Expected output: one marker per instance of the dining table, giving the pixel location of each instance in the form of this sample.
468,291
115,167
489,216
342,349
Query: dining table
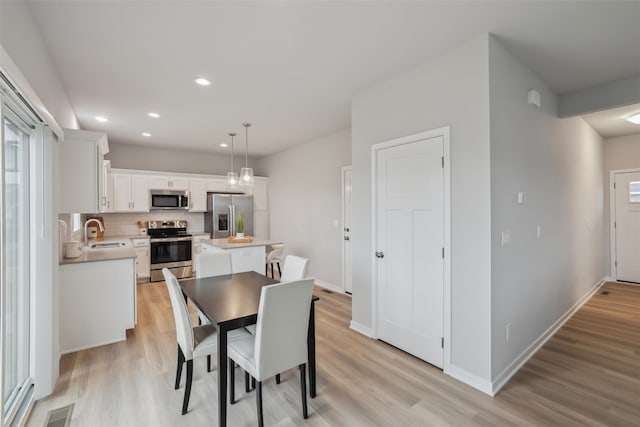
230,302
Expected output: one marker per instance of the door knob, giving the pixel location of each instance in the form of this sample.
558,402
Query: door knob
346,238
379,254
346,229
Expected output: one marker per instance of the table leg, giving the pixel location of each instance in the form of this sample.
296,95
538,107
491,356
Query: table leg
222,377
311,350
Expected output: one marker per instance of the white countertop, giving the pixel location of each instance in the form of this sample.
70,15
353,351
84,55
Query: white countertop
224,243
93,255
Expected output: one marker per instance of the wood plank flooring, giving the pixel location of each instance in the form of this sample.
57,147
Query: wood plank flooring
588,374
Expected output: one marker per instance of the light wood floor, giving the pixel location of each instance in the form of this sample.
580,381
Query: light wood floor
588,374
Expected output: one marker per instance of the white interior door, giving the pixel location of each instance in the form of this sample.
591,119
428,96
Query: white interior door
346,229
627,221
410,242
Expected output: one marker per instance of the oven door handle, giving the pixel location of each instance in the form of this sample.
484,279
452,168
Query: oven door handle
172,239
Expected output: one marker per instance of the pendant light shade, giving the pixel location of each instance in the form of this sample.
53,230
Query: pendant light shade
246,173
232,176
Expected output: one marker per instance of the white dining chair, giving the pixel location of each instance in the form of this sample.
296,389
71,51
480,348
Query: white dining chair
295,268
273,257
193,342
212,263
280,342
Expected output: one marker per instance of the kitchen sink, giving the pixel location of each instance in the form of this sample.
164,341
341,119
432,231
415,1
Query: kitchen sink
107,245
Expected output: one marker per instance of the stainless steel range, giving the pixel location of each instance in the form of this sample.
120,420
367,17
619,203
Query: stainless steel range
170,248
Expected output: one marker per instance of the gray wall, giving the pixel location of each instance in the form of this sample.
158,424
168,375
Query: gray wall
619,153
305,201
125,156
20,38
452,89
558,164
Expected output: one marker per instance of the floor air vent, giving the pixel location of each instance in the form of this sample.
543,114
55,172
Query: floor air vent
604,293
60,417
327,291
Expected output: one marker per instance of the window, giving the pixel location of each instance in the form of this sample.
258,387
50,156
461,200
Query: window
634,192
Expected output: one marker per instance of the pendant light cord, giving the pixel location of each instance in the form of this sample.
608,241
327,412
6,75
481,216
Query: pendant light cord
232,135
246,144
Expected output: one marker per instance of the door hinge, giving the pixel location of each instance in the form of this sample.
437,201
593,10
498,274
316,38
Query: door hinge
442,162
614,185
616,263
442,342
615,224
442,253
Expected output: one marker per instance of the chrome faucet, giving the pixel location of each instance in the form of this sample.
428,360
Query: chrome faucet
86,234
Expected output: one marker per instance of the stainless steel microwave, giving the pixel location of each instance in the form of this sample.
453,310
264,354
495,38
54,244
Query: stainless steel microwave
168,199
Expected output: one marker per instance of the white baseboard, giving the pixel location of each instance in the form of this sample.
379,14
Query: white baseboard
519,361
470,379
329,286
361,329
73,350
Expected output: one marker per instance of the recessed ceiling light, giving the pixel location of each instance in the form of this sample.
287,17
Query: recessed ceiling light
202,81
154,115
147,134
224,145
102,119
635,119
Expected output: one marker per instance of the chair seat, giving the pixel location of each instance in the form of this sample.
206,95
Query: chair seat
205,339
242,351
251,329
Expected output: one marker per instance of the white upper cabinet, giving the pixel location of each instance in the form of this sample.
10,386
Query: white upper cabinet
130,193
168,183
82,175
198,195
215,185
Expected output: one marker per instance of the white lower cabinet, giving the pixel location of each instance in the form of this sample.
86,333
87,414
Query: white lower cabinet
143,263
196,248
97,303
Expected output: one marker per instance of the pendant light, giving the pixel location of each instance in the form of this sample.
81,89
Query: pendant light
232,177
246,173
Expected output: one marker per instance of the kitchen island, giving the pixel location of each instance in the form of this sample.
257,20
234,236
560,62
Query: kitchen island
248,256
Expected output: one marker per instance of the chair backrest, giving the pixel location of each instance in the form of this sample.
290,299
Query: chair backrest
282,326
210,263
275,252
184,329
295,268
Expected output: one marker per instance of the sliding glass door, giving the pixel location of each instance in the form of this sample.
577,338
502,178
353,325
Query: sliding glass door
14,255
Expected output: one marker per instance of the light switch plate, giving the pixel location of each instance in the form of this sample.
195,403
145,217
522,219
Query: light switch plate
522,197
506,238
538,231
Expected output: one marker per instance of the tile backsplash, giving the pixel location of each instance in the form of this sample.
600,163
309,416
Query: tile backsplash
125,224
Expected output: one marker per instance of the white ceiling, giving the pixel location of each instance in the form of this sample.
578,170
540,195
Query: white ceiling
612,123
291,68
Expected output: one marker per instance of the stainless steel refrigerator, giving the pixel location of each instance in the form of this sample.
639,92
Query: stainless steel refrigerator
222,211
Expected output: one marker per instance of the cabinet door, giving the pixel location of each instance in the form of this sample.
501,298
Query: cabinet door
109,192
260,196
142,263
121,192
198,196
139,193
216,185
261,224
178,183
159,183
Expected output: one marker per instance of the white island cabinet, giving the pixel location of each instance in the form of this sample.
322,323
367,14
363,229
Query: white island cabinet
244,256
97,301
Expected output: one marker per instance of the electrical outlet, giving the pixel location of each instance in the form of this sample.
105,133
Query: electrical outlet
508,331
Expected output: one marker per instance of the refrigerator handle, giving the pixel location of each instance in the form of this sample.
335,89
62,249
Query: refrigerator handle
232,220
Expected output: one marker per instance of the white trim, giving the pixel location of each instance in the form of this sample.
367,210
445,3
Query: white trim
361,329
329,286
613,256
342,244
445,133
469,379
524,357
73,350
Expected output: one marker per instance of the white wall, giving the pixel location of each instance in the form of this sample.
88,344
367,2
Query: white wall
125,156
305,200
452,89
558,164
20,38
619,153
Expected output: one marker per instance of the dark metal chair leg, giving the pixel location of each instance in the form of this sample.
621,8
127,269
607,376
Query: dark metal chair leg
266,269
259,403
303,389
179,367
208,363
279,272
187,390
253,382
247,388
277,378
232,382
